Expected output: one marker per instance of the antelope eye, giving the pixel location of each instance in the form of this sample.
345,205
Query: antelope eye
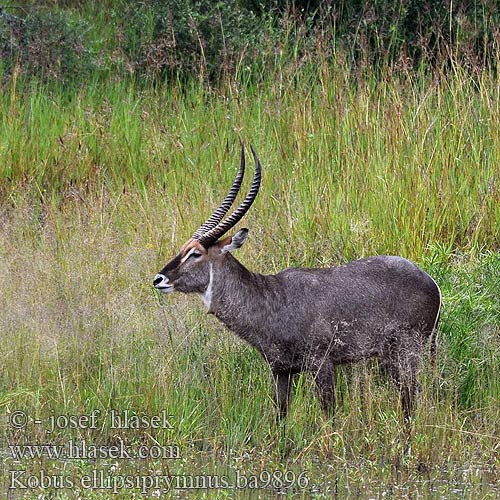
196,254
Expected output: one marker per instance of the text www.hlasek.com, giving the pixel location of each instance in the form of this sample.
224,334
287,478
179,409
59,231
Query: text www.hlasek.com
74,450
113,483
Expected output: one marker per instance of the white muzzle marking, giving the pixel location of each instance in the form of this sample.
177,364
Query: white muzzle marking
162,283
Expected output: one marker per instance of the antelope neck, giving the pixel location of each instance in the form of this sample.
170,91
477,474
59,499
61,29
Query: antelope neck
237,297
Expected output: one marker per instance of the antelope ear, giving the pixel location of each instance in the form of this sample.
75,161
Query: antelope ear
233,242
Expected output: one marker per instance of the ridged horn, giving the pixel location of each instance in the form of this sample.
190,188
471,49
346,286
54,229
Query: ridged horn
215,233
219,213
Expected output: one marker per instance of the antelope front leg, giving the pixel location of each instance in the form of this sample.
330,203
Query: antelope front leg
325,383
282,383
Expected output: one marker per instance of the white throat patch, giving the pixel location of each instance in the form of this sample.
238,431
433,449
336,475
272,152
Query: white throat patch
207,296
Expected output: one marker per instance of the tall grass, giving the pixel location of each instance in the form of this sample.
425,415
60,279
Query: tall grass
372,166
99,188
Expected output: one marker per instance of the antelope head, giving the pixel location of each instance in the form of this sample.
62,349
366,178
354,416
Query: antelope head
191,270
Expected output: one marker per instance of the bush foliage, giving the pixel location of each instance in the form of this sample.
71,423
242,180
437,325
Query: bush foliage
51,44
213,40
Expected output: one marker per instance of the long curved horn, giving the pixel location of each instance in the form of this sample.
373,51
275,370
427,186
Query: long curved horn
215,233
219,213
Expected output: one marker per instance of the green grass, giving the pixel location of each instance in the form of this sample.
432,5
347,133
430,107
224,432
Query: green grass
387,166
100,188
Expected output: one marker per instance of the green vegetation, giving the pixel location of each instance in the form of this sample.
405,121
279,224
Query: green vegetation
167,41
101,183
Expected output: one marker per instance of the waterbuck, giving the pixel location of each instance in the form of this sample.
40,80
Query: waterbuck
304,319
